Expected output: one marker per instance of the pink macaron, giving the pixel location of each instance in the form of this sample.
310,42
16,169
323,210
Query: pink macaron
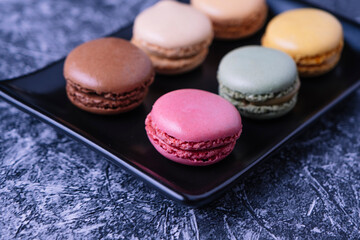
193,127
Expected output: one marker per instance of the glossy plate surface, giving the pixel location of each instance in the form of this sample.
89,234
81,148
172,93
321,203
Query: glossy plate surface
123,139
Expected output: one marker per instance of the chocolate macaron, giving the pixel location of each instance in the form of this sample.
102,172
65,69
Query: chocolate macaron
107,76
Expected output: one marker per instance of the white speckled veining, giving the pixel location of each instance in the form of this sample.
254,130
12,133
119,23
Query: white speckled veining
52,187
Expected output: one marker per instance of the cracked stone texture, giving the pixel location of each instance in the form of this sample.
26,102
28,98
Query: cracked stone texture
52,187
33,34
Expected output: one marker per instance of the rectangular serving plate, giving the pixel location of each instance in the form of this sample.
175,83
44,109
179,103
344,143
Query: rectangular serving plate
122,139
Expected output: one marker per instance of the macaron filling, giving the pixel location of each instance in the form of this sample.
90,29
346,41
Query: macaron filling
186,145
321,62
291,90
176,60
265,110
169,65
172,53
205,151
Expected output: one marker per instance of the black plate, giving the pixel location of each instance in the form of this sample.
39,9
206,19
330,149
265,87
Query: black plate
123,139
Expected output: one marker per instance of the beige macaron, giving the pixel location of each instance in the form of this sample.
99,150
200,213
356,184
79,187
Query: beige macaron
233,19
174,35
312,37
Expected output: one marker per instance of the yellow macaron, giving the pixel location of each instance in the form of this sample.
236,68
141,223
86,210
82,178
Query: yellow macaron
312,37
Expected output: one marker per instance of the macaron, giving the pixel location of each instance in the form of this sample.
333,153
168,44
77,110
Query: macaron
261,82
312,37
193,127
174,35
233,19
107,76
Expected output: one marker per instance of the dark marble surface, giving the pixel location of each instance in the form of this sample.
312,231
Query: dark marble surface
349,9
52,187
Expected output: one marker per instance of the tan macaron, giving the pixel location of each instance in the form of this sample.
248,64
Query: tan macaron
312,37
174,35
233,19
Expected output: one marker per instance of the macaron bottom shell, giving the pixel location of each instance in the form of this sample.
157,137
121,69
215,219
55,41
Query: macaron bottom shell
262,112
171,66
106,103
191,158
266,106
189,153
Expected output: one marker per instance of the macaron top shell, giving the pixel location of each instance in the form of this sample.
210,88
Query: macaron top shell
257,70
171,24
304,31
227,10
195,115
108,65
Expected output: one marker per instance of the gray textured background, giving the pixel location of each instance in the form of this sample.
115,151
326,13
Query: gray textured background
349,9
52,187
35,33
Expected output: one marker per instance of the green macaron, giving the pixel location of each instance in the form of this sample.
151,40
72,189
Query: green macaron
262,83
